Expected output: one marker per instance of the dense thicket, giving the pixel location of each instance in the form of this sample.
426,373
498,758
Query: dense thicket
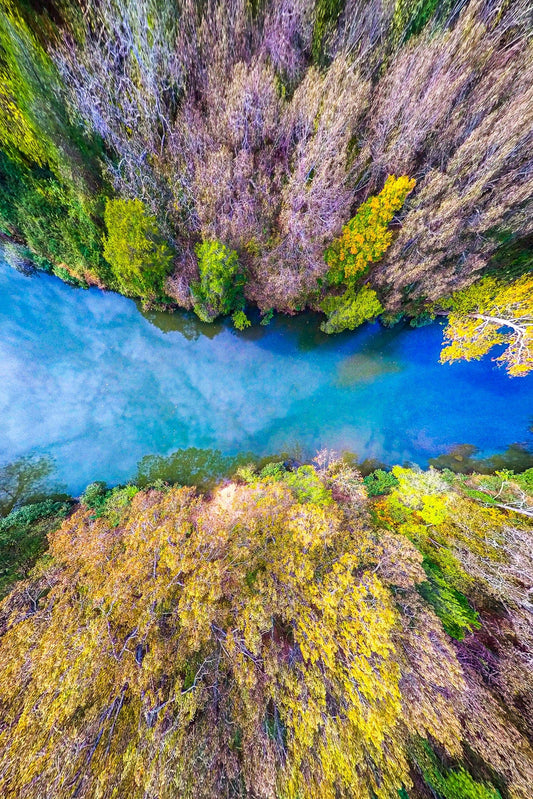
285,636
262,127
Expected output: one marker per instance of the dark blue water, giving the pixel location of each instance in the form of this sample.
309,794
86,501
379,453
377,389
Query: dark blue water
86,379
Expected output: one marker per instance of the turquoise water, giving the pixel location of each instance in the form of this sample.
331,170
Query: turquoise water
90,382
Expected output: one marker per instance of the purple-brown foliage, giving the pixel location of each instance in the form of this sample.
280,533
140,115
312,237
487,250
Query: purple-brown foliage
217,118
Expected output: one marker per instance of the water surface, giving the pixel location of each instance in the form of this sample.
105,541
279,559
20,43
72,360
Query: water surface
88,380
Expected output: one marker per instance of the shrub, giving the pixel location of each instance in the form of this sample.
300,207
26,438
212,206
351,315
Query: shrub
23,538
220,288
108,502
138,257
240,320
379,482
349,310
94,495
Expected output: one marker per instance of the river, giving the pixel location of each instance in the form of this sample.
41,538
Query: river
93,384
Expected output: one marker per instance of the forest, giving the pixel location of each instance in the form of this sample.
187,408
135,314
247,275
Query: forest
362,158
222,625
293,631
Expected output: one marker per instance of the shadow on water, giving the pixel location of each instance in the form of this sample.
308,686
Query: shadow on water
301,332
184,322
462,459
361,368
28,480
202,468
285,332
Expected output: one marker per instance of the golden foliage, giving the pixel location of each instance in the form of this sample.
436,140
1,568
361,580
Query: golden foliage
491,313
268,641
366,237
199,640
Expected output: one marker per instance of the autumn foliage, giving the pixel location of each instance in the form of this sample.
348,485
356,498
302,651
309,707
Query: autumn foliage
366,237
492,313
265,127
276,639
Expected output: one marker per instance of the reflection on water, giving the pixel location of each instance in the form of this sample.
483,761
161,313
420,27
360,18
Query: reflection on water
27,479
193,466
465,459
184,322
92,383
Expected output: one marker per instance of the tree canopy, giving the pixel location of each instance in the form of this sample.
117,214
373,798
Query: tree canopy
283,637
138,257
492,313
290,142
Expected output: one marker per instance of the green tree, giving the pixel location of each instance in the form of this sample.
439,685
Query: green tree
379,482
138,257
220,288
240,320
60,226
23,538
35,127
351,309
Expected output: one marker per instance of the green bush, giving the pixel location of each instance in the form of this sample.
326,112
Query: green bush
58,225
220,288
23,538
240,320
139,258
379,482
108,502
307,486
94,495
276,469
349,310
525,481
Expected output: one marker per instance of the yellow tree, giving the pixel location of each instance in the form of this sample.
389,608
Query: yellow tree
197,646
366,237
364,240
491,313
264,642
